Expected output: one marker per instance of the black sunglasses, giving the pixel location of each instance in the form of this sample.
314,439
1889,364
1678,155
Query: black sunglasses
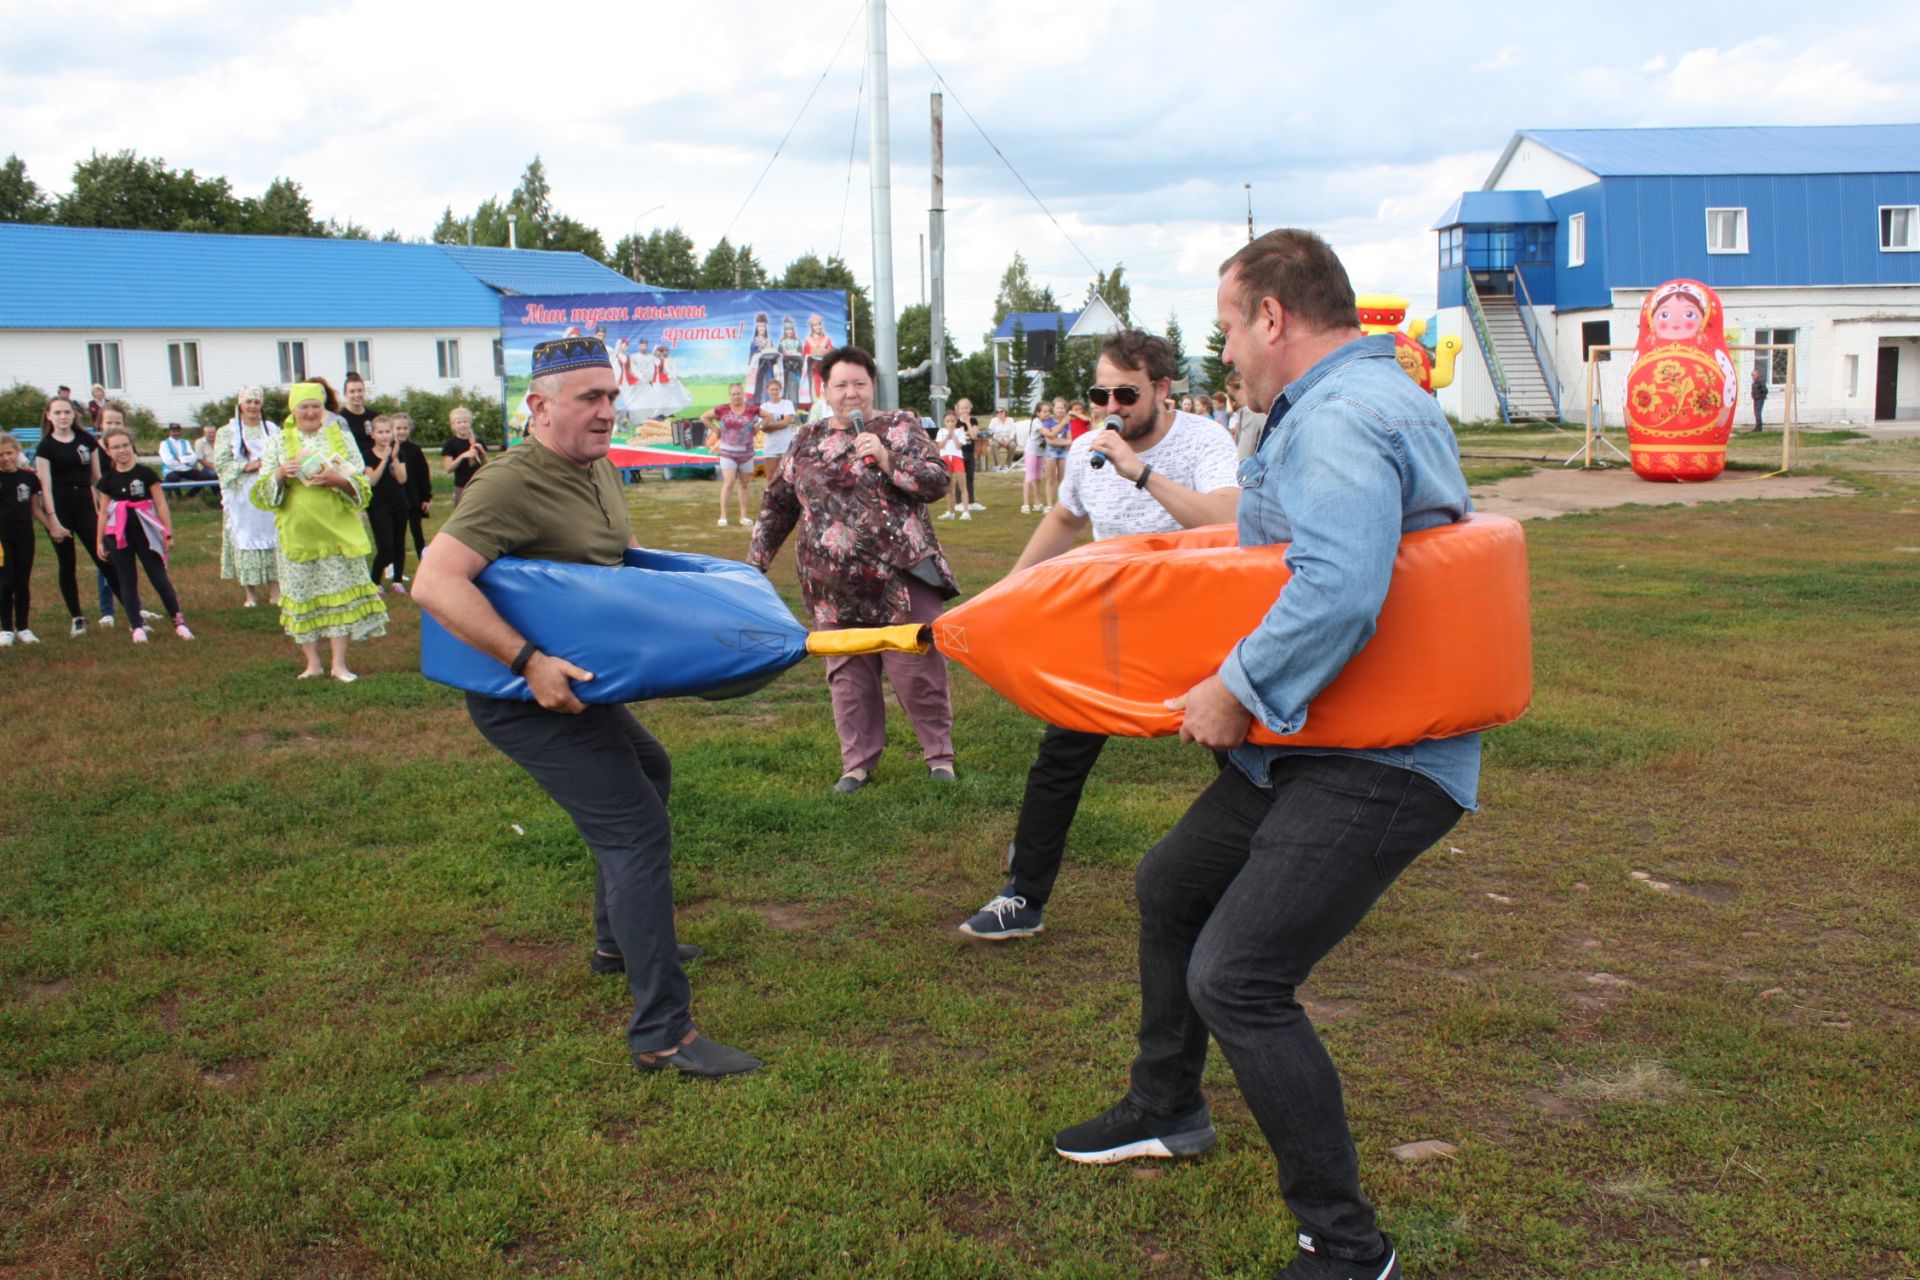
1127,396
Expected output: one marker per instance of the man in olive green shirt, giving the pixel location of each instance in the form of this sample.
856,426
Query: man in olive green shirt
558,498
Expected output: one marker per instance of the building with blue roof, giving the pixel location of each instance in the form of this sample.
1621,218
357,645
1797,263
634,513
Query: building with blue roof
1043,332
1811,236
167,320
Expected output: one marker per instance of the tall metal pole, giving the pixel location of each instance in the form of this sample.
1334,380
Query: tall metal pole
886,351
1249,187
937,233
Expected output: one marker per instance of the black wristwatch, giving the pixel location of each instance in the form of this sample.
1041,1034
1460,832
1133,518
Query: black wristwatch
521,659
1146,469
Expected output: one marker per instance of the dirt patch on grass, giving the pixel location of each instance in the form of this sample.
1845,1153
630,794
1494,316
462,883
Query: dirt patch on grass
526,953
334,1259
1557,491
441,1078
52,989
536,1257
791,917
230,1073
261,740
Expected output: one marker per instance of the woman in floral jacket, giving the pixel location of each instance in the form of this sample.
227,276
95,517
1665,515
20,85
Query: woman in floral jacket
867,557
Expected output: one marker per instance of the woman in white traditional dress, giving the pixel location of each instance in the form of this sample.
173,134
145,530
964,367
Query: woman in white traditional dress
248,537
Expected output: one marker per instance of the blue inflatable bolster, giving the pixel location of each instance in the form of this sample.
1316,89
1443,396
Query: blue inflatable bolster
663,624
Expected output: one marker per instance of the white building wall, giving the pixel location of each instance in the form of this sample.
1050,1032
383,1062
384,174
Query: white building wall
1832,324
230,359
1533,167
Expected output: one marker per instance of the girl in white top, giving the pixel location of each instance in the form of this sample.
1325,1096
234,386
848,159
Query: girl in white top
952,439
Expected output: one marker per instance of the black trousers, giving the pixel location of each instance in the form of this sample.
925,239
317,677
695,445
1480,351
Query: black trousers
414,521
74,509
128,559
612,778
389,541
1238,903
16,579
1055,782
966,456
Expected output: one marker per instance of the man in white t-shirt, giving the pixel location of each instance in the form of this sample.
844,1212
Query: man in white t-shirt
776,418
1164,470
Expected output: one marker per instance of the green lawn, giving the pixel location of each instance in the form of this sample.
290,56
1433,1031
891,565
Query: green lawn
293,979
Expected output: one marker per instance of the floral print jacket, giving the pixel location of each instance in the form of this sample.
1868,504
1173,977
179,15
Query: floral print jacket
862,529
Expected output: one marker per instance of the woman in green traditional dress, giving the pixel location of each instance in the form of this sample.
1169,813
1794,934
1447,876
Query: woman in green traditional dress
312,479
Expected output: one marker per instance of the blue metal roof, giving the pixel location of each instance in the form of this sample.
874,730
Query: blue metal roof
1037,322
1757,150
1495,209
90,278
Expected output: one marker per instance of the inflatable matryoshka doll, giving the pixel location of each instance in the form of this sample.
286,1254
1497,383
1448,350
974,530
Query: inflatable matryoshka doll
1682,390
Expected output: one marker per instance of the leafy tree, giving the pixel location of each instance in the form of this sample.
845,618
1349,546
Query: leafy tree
913,341
1214,365
489,224
726,267
21,199
1113,289
531,204
566,234
971,378
1019,392
451,230
348,230
1018,293
1073,370
283,210
130,191
666,259
1177,341
808,272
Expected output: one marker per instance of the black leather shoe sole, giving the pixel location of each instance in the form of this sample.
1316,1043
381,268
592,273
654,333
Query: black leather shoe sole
618,964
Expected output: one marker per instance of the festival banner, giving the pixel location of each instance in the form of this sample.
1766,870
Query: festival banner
674,353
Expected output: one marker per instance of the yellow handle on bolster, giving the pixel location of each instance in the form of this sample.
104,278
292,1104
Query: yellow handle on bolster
910,637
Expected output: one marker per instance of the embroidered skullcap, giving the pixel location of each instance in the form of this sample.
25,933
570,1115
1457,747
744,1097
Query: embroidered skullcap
305,391
564,354
251,393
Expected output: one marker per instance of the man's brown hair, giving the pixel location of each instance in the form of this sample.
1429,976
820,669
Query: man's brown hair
1139,351
1300,270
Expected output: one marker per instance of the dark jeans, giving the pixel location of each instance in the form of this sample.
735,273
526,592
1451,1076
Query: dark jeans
127,561
1237,904
966,458
16,579
389,542
1054,785
612,778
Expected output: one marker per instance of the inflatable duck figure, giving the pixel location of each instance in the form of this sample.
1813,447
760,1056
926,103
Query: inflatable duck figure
1682,390
1384,313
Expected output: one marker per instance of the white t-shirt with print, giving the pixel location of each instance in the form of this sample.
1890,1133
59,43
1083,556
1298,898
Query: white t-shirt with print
1195,452
777,438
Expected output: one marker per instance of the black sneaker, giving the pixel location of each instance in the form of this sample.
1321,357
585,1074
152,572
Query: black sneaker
1125,1132
1311,1264
1008,915
600,963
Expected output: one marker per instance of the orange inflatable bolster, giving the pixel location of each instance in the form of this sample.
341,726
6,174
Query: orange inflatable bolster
1099,638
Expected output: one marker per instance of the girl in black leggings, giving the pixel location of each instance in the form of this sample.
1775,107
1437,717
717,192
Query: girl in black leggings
68,463
387,508
21,504
133,517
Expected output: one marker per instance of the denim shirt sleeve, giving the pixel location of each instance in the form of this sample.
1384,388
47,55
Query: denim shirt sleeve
1339,482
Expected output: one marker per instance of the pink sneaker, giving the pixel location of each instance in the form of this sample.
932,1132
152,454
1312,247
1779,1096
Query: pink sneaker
398,588
139,635
180,626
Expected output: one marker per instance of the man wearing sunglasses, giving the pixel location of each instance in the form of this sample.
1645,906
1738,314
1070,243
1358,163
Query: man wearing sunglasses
1288,849
1162,470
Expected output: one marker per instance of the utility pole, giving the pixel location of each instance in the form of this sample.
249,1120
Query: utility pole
937,230
923,268
1249,187
886,350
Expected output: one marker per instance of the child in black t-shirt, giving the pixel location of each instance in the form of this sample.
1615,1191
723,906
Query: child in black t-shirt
131,516
21,503
462,455
387,508
419,480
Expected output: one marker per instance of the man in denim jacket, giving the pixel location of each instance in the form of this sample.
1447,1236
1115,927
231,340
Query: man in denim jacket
1285,853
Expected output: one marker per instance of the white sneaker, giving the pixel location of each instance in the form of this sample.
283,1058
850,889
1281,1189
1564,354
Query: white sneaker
27,637
723,522
6,639
965,515
106,620
944,515
1025,510
974,506
77,628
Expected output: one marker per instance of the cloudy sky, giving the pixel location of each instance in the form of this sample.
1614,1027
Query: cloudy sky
1136,123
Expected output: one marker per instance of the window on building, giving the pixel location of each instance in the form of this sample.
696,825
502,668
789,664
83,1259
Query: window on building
183,364
1453,247
360,358
293,362
1726,231
499,358
1577,241
1596,333
103,365
448,352
1899,228
1777,373
1850,374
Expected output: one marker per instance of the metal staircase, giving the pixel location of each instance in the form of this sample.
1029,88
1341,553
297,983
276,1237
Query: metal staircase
1525,388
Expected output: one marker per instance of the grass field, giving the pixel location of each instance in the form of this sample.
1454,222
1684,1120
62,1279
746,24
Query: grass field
293,979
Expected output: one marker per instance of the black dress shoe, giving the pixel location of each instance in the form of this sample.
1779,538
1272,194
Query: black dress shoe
701,1057
618,964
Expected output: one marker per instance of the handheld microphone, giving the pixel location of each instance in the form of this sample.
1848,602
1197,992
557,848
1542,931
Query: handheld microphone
1113,423
859,421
